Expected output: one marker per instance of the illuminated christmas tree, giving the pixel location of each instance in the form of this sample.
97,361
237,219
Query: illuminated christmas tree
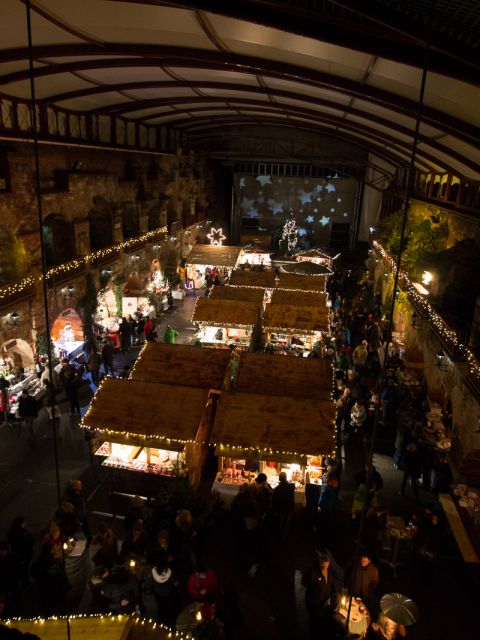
290,233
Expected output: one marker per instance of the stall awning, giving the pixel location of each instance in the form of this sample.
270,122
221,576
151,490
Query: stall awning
288,377
298,282
157,415
214,255
239,294
256,279
289,318
225,313
272,425
299,298
178,364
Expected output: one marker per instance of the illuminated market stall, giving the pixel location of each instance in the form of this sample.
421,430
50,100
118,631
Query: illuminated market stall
255,433
221,259
225,322
17,372
67,334
291,327
316,256
179,364
149,429
254,254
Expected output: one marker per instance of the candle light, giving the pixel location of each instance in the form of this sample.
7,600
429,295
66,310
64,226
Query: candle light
132,563
198,616
65,546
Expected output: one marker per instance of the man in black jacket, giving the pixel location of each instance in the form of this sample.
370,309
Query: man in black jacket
283,504
28,410
320,596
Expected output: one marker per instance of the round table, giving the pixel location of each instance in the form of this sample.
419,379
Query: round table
359,622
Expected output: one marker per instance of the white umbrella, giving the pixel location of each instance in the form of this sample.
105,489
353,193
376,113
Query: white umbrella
399,608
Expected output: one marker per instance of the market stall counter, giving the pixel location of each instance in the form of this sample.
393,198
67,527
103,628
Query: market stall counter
225,322
149,430
287,326
180,364
255,432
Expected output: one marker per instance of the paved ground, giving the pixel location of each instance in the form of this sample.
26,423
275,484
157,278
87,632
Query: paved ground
272,601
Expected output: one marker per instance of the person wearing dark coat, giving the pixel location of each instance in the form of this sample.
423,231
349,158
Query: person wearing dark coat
10,579
135,542
376,480
107,357
120,589
262,494
363,578
125,335
72,386
412,468
21,544
283,504
50,581
319,590
28,410
164,585
74,495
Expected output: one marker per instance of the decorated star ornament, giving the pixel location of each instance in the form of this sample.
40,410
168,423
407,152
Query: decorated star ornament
216,236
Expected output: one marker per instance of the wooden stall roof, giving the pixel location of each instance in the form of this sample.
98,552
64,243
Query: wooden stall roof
299,298
153,411
241,294
301,282
286,376
106,627
257,279
181,364
214,255
293,319
225,313
314,253
289,427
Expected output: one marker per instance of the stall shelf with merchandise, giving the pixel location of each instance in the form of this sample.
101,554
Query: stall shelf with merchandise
225,322
207,256
288,326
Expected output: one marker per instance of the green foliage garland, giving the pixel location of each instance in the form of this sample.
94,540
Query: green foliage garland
88,303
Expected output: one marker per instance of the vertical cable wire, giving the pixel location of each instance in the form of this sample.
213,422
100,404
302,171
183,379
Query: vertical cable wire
51,395
409,190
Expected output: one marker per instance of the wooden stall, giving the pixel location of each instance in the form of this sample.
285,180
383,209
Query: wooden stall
179,364
222,258
225,322
255,279
299,298
317,256
254,254
269,433
148,428
96,627
289,327
288,377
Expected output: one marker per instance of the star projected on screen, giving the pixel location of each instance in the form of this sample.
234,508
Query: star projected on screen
318,188
330,188
246,204
332,210
324,221
277,207
252,213
345,215
304,196
302,231
242,183
315,211
339,199
309,219
263,180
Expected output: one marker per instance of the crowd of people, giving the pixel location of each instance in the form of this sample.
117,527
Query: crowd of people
168,565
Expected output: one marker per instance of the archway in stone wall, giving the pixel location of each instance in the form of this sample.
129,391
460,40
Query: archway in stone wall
18,353
100,218
13,257
130,219
67,332
59,239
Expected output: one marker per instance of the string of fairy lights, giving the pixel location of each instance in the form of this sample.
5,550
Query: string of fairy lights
446,334
101,617
65,268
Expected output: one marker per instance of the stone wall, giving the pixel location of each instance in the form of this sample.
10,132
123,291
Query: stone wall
78,184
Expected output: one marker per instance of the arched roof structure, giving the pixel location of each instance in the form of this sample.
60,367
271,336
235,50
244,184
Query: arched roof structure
347,70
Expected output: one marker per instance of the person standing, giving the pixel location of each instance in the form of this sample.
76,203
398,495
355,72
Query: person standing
125,338
72,384
283,504
107,357
10,579
319,589
28,411
170,335
363,578
74,495
359,356
21,544
412,467
93,366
